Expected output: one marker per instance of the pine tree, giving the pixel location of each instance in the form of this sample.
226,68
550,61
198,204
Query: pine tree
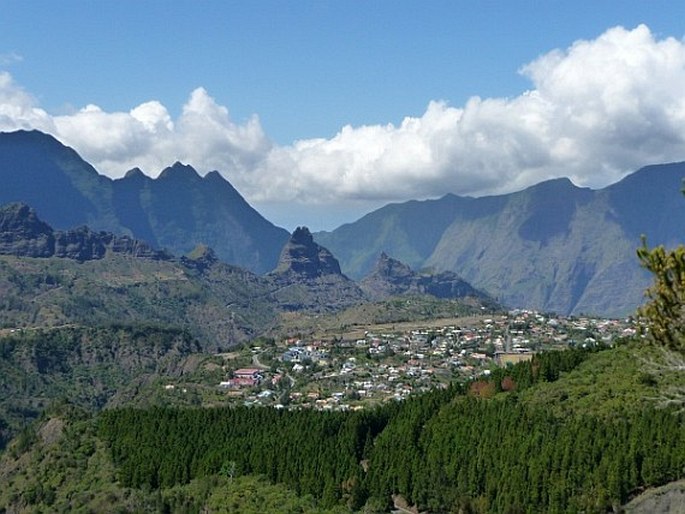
665,312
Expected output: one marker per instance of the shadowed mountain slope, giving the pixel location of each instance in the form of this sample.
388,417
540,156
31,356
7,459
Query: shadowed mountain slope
553,246
177,211
38,170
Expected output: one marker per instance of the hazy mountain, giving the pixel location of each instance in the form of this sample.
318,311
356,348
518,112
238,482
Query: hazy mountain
176,211
180,209
38,170
391,277
553,246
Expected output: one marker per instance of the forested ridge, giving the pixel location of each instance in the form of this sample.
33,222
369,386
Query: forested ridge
478,447
89,366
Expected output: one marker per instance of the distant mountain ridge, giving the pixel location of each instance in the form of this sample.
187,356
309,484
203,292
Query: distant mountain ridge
177,211
553,246
391,277
22,234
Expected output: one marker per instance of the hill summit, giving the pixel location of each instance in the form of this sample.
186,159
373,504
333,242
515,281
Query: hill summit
390,277
308,277
302,256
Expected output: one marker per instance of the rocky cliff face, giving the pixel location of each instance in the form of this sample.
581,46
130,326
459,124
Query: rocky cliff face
553,247
391,277
308,277
23,234
302,257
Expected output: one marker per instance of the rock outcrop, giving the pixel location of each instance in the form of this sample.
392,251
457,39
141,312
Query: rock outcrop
301,256
200,259
308,277
391,277
23,234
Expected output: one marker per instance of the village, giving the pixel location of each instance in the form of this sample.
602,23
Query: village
350,374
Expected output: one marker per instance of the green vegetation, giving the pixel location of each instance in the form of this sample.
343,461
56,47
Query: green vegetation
666,310
221,306
444,451
91,367
569,431
67,468
581,430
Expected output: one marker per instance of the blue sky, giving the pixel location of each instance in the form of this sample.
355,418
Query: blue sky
375,92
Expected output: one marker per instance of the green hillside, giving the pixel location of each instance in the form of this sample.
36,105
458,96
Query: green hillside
87,367
220,305
573,431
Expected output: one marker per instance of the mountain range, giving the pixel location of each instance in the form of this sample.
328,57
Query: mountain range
552,247
177,211
52,278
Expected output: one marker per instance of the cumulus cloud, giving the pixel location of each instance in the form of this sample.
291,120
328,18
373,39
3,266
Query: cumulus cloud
147,137
594,112
18,109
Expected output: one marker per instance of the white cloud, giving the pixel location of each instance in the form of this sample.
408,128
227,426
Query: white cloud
18,109
594,112
147,137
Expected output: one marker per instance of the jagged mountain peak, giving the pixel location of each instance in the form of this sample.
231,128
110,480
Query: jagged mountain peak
19,218
177,210
390,268
24,234
302,256
302,235
308,277
178,170
215,176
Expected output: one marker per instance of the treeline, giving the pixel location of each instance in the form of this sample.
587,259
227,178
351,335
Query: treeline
449,450
501,456
312,452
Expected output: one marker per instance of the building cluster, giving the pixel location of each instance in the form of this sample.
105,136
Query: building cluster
340,375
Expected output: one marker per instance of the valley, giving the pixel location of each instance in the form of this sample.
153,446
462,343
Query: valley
391,362
164,348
